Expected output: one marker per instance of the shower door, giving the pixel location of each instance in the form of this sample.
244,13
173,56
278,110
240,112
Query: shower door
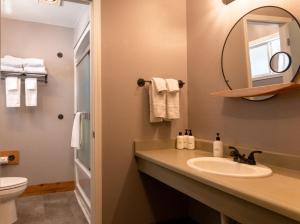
83,105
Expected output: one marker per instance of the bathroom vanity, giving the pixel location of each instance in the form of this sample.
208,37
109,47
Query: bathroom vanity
273,199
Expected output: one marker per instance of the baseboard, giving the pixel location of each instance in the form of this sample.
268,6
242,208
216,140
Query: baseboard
49,188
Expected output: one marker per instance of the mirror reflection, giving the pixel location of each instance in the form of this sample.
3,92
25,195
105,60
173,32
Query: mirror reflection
262,49
280,62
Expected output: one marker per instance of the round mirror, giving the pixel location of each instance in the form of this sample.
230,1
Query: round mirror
280,62
262,48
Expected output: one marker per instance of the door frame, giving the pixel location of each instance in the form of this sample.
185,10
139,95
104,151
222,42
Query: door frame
96,113
96,156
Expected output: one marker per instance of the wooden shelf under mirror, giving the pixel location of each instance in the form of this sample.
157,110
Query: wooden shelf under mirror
258,91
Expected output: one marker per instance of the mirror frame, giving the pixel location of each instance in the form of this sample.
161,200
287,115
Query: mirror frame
228,35
287,67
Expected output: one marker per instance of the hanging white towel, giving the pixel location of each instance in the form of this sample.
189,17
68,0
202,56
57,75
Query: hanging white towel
31,92
160,85
13,91
38,70
172,85
153,119
33,62
76,131
173,104
157,96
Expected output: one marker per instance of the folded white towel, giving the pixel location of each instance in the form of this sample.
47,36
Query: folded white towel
12,62
173,104
157,100
13,91
33,62
172,85
5,68
76,131
160,84
37,70
31,92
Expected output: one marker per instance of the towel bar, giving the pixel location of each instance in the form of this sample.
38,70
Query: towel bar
22,75
141,82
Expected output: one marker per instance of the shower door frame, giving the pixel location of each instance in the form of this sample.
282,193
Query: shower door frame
96,110
81,171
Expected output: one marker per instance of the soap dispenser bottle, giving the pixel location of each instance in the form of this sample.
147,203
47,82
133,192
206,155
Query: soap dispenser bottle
218,147
185,138
180,141
191,141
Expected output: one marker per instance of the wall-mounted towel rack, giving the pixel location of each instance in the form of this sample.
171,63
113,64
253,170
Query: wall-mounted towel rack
22,75
141,82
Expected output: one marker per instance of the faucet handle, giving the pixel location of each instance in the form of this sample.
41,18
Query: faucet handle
234,153
251,158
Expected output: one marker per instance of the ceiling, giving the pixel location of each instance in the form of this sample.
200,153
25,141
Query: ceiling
66,15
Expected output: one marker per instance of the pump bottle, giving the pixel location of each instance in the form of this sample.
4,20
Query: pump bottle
218,147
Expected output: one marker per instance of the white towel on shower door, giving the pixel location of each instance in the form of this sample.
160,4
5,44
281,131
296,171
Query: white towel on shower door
31,92
13,91
76,131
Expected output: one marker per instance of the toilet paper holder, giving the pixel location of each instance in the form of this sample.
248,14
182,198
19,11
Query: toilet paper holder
9,157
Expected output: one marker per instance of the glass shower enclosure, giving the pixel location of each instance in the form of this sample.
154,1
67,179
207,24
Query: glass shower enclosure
83,105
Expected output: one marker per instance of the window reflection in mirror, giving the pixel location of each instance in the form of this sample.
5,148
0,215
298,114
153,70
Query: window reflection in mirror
268,35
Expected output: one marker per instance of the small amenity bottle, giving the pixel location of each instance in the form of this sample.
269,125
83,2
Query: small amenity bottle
191,141
185,138
218,147
180,141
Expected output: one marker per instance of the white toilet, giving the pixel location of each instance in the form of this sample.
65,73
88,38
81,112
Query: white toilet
10,189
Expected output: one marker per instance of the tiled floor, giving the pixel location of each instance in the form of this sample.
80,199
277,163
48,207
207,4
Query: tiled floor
57,208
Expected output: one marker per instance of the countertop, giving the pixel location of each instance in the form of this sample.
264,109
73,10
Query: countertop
279,192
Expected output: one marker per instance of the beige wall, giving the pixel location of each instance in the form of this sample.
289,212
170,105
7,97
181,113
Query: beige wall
141,38
42,139
271,125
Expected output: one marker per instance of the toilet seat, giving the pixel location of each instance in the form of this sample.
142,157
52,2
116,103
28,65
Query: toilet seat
7,183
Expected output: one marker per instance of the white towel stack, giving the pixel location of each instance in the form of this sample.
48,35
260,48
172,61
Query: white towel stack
26,65
13,91
34,65
11,64
14,65
164,100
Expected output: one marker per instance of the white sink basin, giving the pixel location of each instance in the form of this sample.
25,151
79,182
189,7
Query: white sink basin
227,167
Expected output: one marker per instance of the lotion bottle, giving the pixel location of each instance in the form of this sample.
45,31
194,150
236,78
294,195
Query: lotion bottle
185,138
180,141
191,141
218,147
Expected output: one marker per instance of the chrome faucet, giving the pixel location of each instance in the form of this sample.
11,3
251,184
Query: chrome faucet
237,157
